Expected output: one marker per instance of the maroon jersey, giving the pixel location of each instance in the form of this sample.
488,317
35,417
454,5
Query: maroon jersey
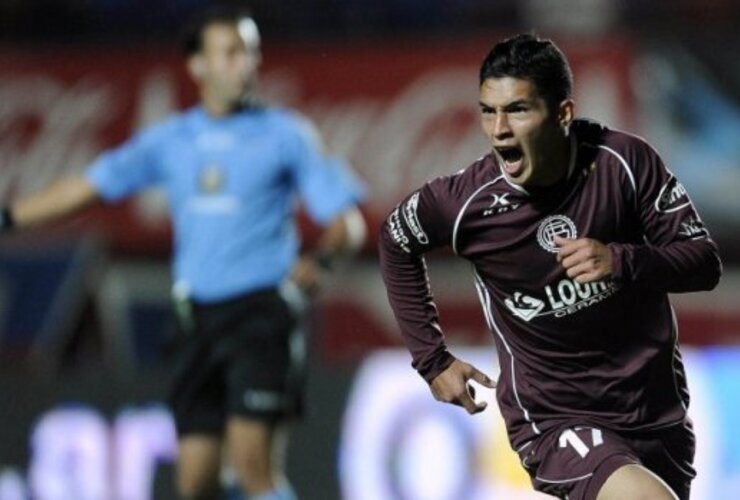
604,352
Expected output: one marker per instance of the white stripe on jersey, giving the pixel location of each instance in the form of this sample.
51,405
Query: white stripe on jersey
675,357
624,164
515,186
465,206
485,299
570,479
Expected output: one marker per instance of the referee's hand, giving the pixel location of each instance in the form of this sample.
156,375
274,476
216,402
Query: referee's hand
451,386
307,274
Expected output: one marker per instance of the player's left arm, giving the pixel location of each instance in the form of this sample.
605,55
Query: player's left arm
331,194
678,254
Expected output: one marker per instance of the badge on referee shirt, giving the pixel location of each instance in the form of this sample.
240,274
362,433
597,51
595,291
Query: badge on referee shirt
212,179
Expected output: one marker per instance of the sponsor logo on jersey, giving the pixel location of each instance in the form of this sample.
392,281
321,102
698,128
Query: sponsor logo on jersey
692,228
396,230
555,225
524,306
500,204
672,197
562,299
569,296
412,219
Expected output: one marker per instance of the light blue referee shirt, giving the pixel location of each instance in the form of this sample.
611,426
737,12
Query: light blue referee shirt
232,184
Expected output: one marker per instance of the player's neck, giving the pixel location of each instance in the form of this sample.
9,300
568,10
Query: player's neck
558,165
218,107
561,159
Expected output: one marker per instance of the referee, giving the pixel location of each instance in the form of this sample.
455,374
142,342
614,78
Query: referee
232,169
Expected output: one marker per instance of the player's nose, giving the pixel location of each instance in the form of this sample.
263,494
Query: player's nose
501,129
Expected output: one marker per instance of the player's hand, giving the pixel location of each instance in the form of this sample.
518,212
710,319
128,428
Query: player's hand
585,259
307,274
451,386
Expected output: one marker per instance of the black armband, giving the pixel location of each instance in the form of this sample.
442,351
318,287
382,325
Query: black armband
6,219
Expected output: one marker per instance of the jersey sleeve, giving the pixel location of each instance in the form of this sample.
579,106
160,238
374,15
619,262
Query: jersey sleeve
678,254
327,185
418,224
128,168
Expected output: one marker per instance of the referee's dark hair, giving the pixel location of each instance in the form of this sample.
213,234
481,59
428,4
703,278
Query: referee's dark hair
528,57
192,33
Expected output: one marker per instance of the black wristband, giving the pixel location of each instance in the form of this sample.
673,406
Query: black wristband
324,260
6,219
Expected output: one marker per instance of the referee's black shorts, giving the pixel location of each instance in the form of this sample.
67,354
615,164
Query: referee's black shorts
243,356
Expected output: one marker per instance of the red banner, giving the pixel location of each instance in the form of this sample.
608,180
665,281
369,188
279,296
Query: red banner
402,113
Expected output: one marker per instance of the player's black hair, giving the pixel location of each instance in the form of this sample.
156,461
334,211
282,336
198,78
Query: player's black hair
529,57
192,33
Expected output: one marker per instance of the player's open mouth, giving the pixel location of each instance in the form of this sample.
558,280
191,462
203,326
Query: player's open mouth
513,160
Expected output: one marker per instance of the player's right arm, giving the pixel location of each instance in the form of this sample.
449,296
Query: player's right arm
421,222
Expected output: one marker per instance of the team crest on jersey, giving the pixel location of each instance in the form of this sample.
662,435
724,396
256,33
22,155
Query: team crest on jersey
672,197
211,179
555,225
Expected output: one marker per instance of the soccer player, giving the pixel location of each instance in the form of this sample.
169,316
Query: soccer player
576,234
232,169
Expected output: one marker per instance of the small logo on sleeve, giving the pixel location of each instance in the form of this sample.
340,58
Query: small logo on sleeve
555,225
672,197
412,219
692,228
396,230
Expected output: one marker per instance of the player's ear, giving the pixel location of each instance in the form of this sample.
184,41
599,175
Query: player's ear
196,67
566,111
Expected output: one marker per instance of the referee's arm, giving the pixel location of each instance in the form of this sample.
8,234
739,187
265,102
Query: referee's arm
344,235
64,197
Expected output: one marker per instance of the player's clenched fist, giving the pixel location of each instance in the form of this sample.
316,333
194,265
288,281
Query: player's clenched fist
585,259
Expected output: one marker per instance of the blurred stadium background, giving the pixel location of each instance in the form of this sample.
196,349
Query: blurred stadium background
85,329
